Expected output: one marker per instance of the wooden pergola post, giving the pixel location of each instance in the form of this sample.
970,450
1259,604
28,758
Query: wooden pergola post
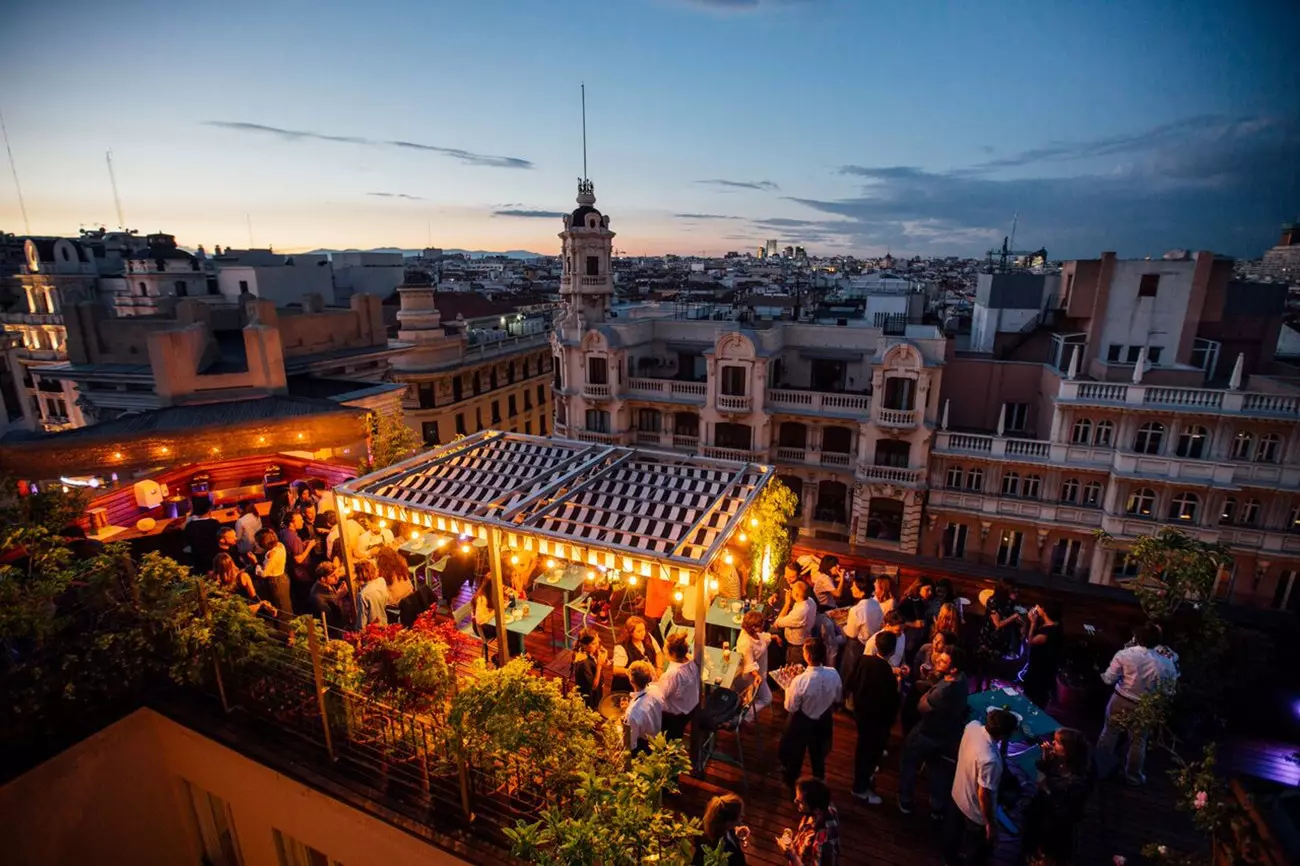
498,593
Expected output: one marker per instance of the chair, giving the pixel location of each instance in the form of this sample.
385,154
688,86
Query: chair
582,606
729,723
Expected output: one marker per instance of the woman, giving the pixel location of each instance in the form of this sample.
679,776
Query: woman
947,619
637,645
722,824
923,676
238,583
816,841
373,600
915,610
943,594
752,646
272,572
1000,634
589,659
281,505
1052,818
392,566
485,618
1045,637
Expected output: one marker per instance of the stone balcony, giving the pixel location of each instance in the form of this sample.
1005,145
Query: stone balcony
595,437
732,403
593,391
1027,509
796,402
739,454
901,418
811,457
1205,401
891,474
665,390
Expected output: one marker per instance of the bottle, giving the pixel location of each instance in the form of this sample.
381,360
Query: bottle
726,651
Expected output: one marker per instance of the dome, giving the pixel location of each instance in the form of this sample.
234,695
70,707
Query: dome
578,219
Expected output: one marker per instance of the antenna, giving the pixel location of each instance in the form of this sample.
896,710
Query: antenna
248,219
1015,219
584,130
18,187
117,202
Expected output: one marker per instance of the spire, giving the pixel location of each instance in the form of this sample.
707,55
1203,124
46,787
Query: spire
586,190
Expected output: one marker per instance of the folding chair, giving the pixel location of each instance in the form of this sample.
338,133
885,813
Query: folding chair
582,606
709,744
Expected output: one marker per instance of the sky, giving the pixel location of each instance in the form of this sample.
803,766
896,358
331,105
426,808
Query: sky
845,126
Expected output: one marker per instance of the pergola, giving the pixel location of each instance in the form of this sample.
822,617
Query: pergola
643,512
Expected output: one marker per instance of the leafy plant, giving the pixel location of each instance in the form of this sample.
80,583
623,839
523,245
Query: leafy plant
1216,812
617,817
1174,569
768,527
390,440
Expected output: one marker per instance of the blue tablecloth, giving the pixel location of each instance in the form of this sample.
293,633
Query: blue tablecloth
1035,727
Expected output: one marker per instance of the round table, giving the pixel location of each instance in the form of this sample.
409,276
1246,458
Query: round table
612,705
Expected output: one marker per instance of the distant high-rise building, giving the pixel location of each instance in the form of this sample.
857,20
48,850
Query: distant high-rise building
800,253
762,252
788,252
771,248
1282,262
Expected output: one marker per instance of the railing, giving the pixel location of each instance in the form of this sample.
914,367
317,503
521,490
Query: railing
689,391
1104,392
718,453
896,417
683,442
1029,448
594,391
1271,404
965,442
594,437
648,437
594,281
792,455
733,403
834,458
895,474
818,402
1190,399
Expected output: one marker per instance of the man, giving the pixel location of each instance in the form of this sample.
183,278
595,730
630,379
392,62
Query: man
644,713
891,624
828,581
247,526
810,700
201,536
875,704
973,825
942,710
324,496
790,575
589,663
297,556
1135,672
228,543
325,598
678,687
798,617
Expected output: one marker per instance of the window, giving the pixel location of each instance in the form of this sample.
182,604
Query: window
478,418
1148,285
214,824
954,540
144,290
1192,442
899,393
424,395
1243,445
243,287
1125,567
181,289
1030,486
597,421
1081,434
1250,512
1105,433
953,480
1149,438
510,373
430,430
796,487
460,423
1114,353
1284,595
562,412
1293,524
1010,483
1205,355
457,389
975,480
593,266
832,502
1070,490
1229,513
738,436
1017,415
541,395
839,440
528,399
478,384
1184,506
1009,548
541,426
528,428
294,853
496,411
1269,445
792,435
1065,557
1134,352
492,379
733,381
889,452
512,406
885,519
649,420
1153,354
1141,502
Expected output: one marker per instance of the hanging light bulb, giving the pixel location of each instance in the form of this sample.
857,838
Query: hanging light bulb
464,548
753,521
514,560
728,558
743,537
414,534
713,584
550,563
440,543
631,580
677,596
383,524
591,575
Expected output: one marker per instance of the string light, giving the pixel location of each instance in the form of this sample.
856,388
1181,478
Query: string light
261,440
117,455
743,537
713,584
383,524
414,534
550,563
631,580
753,521
514,560
440,543
728,558
591,575
464,548
677,596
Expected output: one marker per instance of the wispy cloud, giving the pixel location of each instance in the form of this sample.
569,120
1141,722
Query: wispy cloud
705,216
1223,184
743,5
529,214
396,195
761,185
464,156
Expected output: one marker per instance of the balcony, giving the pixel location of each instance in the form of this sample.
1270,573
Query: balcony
734,403
738,454
891,474
1195,400
1026,509
1173,468
595,437
593,391
818,403
836,458
684,442
895,417
1266,475
812,457
1022,450
666,390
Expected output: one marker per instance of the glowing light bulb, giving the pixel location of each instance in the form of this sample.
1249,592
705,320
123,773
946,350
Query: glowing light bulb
441,543
383,524
713,584
514,560
299,437
728,558
631,580
166,450
677,596
591,575
550,563
743,537
414,535
117,455
464,548
753,521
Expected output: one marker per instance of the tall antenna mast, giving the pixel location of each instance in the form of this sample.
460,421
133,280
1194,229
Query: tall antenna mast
117,202
18,187
248,219
584,130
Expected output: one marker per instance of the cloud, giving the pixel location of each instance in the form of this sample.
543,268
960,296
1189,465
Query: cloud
762,185
397,195
743,5
1222,184
784,223
464,156
704,216
530,214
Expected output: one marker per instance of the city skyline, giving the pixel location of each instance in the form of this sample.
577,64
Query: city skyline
713,126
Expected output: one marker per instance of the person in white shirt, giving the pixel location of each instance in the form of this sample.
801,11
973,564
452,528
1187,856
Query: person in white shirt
247,526
271,570
1135,672
881,603
752,647
644,714
973,825
828,581
678,687
855,626
324,496
810,700
892,623
798,617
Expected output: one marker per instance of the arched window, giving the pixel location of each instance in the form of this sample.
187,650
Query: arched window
1070,490
1030,486
1010,483
1294,525
1082,432
1192,442
1092,494
1243,445
1269,446
144,290
1149,438
1229,513
975,480
1141,502
1250,512
953,481
1105,433
1184,507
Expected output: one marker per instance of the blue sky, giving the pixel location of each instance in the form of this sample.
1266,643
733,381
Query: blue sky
844,125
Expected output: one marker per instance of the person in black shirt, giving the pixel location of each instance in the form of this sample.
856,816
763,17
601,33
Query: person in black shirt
722,824
1045,637
914,608
589,667
326,599
228,543
942,711
1065,782
201,536
875,704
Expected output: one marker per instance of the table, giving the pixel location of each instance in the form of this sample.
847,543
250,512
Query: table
568,580
714,664
1022,747
613,704
537,614
721,615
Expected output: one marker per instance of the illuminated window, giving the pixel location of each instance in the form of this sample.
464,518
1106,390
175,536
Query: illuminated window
1141,502
1184,507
